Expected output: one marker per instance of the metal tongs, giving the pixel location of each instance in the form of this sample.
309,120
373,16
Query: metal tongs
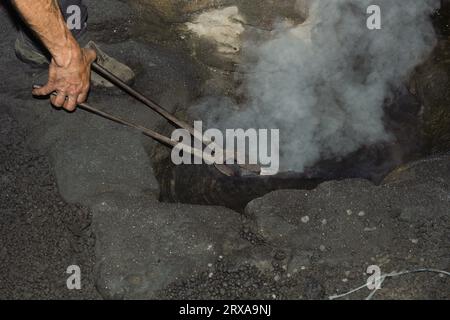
226,169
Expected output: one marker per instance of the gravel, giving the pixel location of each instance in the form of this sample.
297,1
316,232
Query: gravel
41,235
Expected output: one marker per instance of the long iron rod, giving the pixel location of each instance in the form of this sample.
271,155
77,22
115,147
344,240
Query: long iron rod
153,134
139,96
167,115
225,169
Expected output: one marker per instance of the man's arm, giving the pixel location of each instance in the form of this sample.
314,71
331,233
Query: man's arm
70,68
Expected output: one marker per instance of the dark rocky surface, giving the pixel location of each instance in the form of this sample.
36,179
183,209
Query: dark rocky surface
401,225
432,82
40,234
315,244
146,247
76,189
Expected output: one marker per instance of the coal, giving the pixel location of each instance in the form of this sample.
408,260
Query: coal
205,185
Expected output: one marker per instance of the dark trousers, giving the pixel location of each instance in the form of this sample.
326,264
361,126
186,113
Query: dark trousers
76,14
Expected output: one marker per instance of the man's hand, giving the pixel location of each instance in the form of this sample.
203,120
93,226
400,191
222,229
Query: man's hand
69,79
70,68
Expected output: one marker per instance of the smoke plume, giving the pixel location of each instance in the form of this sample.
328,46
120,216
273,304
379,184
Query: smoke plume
324,83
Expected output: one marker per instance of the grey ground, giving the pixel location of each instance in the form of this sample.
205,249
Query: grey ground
76,189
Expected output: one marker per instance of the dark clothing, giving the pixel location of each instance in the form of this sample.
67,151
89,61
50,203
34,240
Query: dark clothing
30,50
75,13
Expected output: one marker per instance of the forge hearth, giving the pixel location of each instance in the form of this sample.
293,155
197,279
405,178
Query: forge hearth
79,190
205,185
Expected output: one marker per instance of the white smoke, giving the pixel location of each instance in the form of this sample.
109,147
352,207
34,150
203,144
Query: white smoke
324,83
